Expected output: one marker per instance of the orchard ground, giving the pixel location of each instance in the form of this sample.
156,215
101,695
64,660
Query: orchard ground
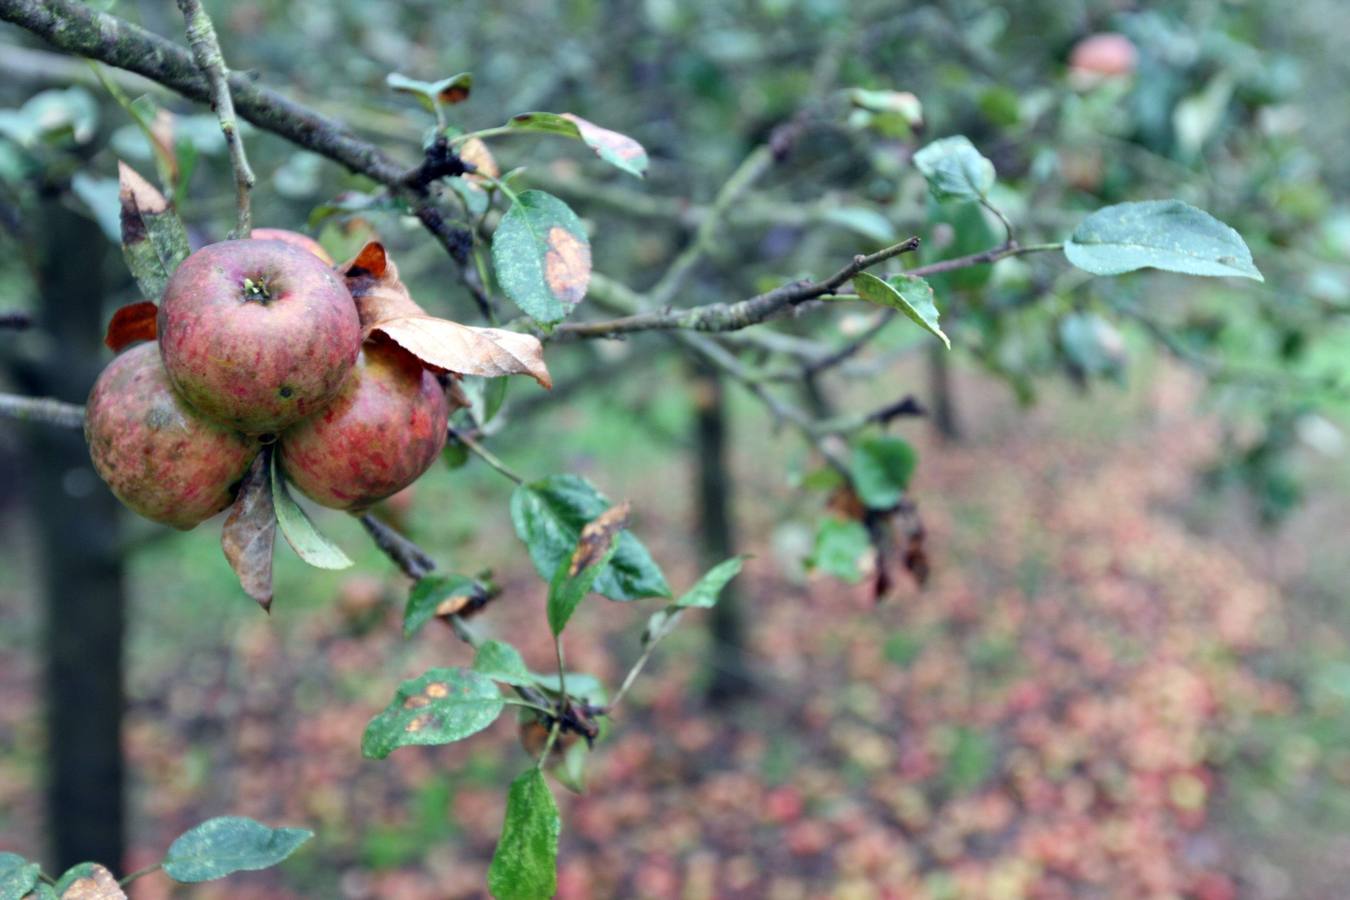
1114,686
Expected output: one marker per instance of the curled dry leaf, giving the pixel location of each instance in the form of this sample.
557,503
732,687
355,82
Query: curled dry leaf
475,151
385,306
133,322
99,884
154,240
251,530
598,536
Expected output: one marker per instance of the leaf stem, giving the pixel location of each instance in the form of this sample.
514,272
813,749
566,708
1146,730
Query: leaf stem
140,873
485,454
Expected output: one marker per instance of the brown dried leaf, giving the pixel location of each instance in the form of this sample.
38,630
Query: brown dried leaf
597,536
99,884
475,151
133,322
141,194
385,305
251,530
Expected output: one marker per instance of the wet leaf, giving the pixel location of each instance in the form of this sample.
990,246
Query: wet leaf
446,92
386,306
154,240
299,531
133,322
881,468
570,584
549,515
542,256
442,706
955,170
17,876
250,531
704,592
440,595
1159,234
93,883
500,661
229,844
524,866
910,294
619,150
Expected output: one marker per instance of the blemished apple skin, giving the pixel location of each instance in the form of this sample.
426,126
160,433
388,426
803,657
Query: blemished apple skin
383,430
257,334
160,457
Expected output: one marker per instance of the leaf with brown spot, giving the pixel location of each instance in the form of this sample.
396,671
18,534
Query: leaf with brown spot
250,532
598,536
542,256
461,702
154,240
447,91
133,322
619,150
97,884
385,306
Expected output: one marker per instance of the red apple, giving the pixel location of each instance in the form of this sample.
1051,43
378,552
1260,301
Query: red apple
381,432
257,334
159,456
295,239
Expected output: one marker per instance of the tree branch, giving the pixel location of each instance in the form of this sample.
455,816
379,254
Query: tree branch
201,36
42,409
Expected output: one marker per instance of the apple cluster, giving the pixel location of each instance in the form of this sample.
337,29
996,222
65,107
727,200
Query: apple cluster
259,341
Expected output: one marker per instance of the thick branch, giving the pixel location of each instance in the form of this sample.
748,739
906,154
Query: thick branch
201,35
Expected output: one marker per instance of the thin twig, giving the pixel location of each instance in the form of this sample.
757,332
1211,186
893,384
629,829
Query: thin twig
139,873
46,410
484,454
201,36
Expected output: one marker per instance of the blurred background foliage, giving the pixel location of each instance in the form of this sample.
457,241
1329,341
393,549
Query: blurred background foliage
1235,107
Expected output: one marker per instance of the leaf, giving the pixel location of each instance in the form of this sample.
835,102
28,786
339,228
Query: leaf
661,623
597,538
705,590
441,706
102,197
908,293
881,469
440,595
447,91
840,546
549,515
154,240
93,882
17,876
500,661
524,866
542,256
476,152
1092,343
386,306
1159,234
568,588
901,103
133,322
299,531
955,170
619,150
250,531
229,844
864,221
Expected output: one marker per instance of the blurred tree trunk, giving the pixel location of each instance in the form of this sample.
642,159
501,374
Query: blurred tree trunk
943,396
728,663
76,521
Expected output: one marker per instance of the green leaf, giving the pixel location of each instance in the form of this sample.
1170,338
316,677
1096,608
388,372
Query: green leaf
840,546
901,103
542,256
102,197
154,240
571,773
579,685
525,864
565,592
864,221
908,293
704,592
430,592
955,170
500,661
881,469
548,516
474,197
43,891
74,874
619,150
661,623
220,847
87,881
17,876
954,230
433,94
299,531
441,706
1092,343
1159,234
